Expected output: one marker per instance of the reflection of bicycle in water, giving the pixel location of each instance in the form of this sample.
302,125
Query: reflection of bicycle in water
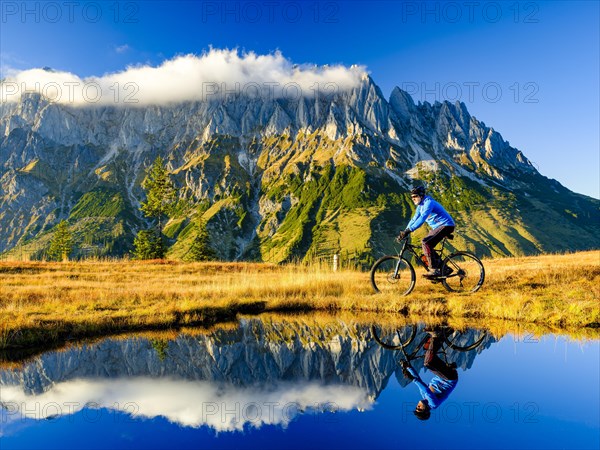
434,342
401,339
459,272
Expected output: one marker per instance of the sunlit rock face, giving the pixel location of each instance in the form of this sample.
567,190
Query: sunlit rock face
308,157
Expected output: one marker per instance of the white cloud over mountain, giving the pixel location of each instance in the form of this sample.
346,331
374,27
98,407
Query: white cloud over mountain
213,74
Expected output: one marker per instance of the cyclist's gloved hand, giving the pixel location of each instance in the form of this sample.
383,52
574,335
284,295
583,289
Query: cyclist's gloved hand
403,234
407,371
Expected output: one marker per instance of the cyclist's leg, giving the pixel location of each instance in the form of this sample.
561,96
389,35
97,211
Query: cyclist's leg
435,364
430,241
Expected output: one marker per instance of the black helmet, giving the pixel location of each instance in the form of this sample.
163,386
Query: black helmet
418,190
422,415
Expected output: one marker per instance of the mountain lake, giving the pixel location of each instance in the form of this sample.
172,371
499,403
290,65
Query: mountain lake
277,382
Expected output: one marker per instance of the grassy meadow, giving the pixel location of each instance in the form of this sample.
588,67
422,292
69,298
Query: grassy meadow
42,303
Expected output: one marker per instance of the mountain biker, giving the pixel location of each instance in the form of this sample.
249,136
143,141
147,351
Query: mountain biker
440,386
438,219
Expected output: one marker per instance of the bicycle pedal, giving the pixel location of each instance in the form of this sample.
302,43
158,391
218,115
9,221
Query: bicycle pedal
433,278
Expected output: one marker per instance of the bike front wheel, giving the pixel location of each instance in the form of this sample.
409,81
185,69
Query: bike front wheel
392,274
463,272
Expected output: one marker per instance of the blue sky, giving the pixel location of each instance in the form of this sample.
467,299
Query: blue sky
529,69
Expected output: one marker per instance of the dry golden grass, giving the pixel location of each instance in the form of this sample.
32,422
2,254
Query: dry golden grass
45,302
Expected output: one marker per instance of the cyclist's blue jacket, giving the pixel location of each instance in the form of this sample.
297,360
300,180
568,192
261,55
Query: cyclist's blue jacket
441,387
431,212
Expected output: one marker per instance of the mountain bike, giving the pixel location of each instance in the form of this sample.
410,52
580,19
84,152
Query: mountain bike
402,338
461,271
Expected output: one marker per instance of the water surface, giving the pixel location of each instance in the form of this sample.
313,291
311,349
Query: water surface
288,384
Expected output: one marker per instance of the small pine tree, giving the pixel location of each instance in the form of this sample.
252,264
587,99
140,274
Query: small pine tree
148,245
161,196
161,346
200,250
61,244
161,199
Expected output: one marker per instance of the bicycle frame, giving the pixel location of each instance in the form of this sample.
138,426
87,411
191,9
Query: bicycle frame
418,352
407,246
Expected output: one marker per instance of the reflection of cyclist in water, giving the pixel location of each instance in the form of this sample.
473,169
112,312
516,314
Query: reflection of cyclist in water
441,386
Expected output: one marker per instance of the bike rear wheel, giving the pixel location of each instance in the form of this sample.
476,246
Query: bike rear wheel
394,338
385,278
463,271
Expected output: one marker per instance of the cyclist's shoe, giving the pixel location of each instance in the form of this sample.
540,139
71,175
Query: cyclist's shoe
427,343
432,274
430,340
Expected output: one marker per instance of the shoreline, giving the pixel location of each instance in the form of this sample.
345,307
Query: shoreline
316,324
56,302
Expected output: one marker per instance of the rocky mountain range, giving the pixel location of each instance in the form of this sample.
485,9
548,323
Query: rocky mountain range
277,179
251,353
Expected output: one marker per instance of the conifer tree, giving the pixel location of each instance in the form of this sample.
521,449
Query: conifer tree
61,243
147,245
161,199
200,250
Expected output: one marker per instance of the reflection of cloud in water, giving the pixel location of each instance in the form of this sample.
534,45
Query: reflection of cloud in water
223,407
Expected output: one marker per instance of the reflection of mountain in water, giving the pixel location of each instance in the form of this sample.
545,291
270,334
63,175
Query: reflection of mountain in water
256,353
